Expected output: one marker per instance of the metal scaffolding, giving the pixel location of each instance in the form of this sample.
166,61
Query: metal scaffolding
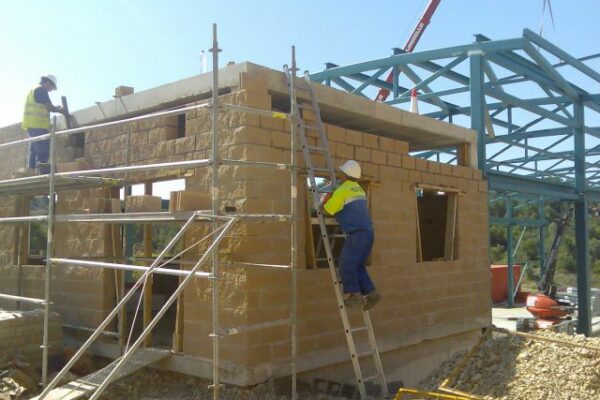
54,182
532,137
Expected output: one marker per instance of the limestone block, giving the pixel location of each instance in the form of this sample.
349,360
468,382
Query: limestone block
121,91
77,165
190,201
408,162
335,133
143,203
378,157
354,138
362,154
371,141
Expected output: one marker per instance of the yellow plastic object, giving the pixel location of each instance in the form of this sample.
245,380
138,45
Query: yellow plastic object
404,392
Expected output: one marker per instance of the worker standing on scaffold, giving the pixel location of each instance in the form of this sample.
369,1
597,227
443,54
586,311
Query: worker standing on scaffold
36,121
348,204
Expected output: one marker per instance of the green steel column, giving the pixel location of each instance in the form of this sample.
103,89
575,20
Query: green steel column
477,113
584,322
509,255
542,235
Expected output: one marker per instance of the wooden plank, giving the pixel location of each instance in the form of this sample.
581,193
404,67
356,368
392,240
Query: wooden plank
148,287
178,334
450,226
419,248
462,155
81,387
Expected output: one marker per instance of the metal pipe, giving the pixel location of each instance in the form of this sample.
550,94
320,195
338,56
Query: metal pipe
115,310
88,128
293,225
215,208
30,218
133,168
126,267
49,244
211,249
255,327
139,217
22,298
257,111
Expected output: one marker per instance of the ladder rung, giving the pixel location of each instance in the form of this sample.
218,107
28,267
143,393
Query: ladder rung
359,329
314,148
371,378
337,235
312,127
365,354
318,169
305,106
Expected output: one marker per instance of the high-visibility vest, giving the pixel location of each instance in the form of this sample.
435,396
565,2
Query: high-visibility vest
35,115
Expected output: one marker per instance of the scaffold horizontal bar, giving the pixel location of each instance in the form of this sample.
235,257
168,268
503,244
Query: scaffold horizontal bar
257,111
134,168
88,128
23,299
254,327
167,216
255,163
261,217
158,216
259,265
29,218
125,267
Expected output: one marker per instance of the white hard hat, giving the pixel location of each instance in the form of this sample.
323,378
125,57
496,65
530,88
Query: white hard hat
52,79
351,168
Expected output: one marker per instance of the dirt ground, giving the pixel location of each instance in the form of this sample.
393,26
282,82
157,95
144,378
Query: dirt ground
151,384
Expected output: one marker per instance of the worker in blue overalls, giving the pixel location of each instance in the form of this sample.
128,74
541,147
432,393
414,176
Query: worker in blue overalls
348,204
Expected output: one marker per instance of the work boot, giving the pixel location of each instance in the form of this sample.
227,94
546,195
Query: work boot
371,299
353,299
43,168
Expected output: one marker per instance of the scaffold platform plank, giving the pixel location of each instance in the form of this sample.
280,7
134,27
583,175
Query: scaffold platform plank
83,386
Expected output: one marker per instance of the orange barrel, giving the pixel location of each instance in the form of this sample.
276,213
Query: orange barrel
499,277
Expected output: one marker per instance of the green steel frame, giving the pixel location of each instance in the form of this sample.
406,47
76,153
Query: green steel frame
525,98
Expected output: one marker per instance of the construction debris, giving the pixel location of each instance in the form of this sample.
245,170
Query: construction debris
151,384
506,366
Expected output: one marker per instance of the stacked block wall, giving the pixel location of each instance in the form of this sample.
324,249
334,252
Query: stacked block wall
429,300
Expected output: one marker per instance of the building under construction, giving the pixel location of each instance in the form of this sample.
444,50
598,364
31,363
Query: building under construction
245,288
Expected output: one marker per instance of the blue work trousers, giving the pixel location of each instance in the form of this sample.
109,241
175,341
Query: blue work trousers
38,151
353,260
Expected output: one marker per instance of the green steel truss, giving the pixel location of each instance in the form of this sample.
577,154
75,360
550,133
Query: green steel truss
535,107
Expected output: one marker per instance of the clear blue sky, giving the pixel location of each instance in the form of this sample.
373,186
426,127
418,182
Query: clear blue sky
94,46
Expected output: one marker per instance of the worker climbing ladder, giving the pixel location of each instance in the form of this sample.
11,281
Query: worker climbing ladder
322,148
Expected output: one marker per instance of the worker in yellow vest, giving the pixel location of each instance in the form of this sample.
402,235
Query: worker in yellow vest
36,121
348,204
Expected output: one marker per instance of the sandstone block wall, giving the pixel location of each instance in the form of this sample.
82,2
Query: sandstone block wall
21,334
422,300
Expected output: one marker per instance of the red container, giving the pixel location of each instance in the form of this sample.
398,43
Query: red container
499,276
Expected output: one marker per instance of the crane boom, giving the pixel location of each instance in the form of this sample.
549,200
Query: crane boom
412,42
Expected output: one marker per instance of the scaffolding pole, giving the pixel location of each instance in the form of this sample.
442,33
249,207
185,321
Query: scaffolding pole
214,280
293,226
49,245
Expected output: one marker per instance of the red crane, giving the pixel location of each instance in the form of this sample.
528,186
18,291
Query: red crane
412,42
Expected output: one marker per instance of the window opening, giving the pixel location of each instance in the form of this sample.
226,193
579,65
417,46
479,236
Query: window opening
436,225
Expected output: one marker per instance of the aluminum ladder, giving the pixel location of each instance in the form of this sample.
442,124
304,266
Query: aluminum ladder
322,147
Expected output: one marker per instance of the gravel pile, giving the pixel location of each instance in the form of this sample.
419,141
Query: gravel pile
151,384
509,367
